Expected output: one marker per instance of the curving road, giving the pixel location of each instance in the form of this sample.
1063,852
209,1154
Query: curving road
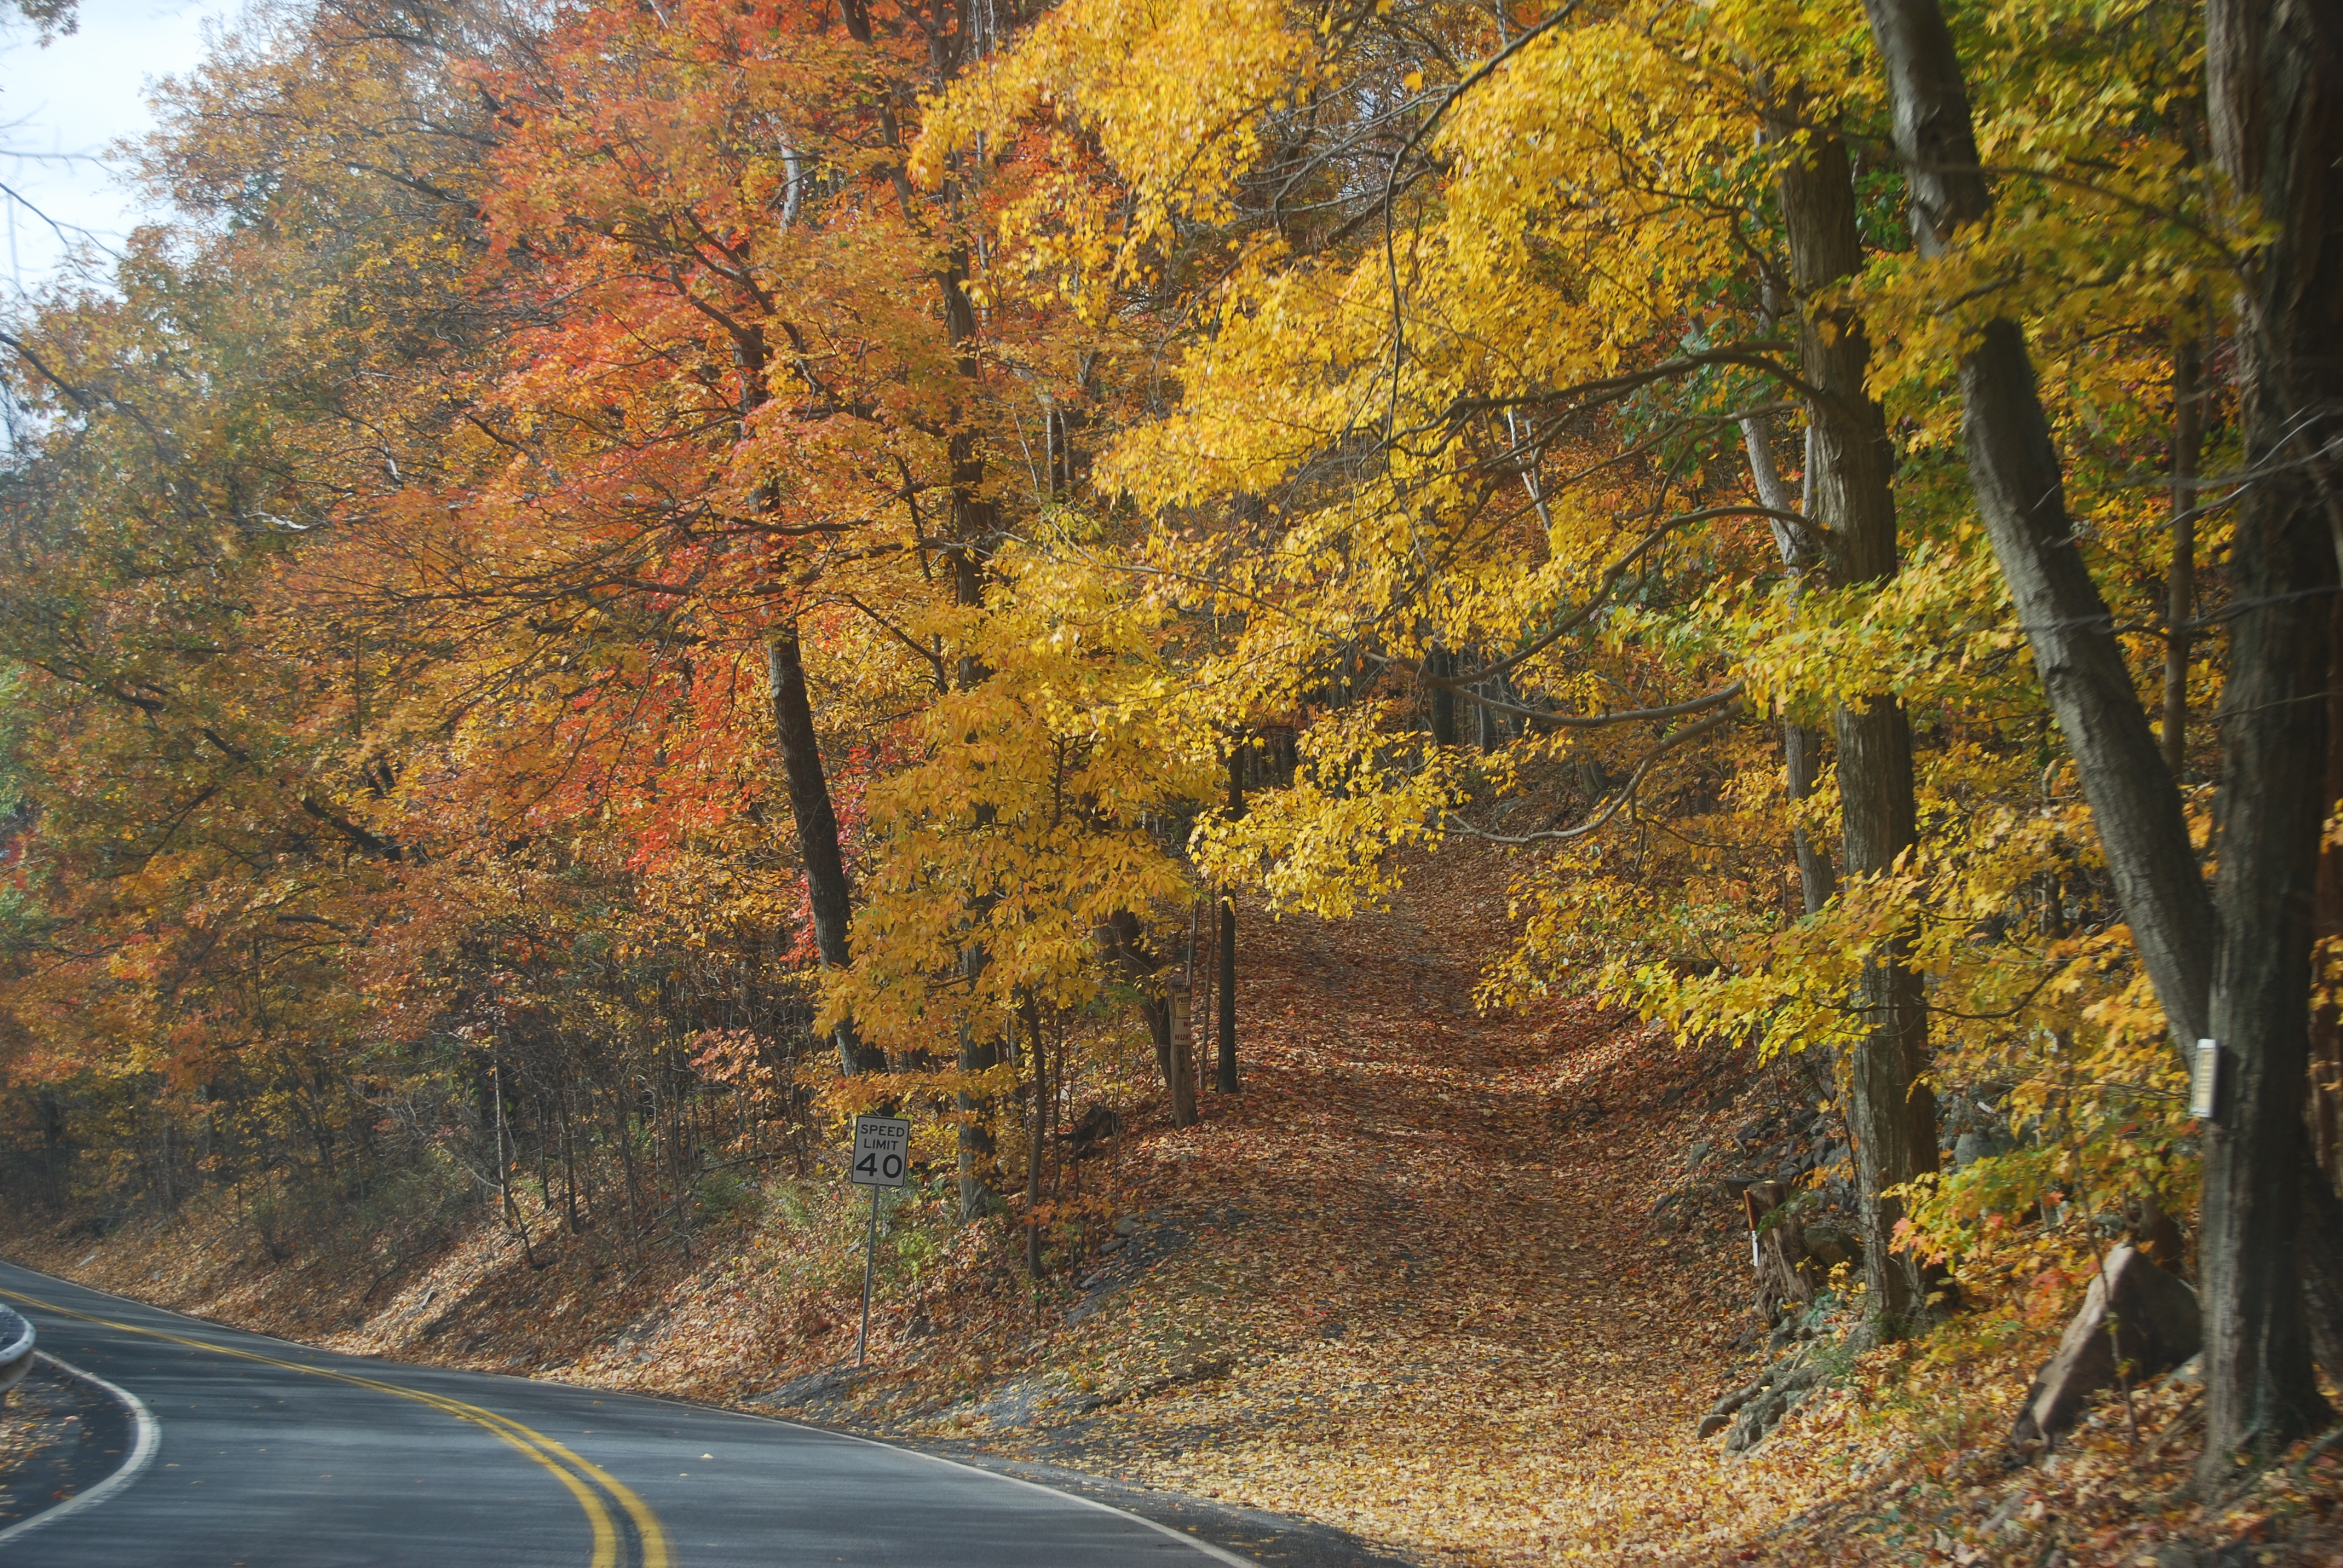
265,1454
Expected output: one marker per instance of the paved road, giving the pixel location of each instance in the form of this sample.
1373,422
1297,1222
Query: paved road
275,1455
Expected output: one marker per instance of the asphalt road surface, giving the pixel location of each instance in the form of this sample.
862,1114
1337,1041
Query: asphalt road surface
265,1454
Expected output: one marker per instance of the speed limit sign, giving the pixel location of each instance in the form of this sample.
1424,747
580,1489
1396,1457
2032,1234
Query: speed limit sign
882,1148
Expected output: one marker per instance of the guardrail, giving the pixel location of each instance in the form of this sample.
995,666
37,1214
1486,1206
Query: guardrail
16,1348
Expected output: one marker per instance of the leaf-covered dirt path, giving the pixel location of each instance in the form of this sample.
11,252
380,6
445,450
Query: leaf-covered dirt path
1410,1281
1415,1283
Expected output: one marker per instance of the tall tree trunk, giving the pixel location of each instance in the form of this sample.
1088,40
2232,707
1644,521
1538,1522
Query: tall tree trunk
2327,926
1439,662
1035,1135
2180,576
2274,100
1225,1078
977,1052
817,848
975,518
1802,749
1891,1112
2238,971
1180,1070
977,1144
1801,745
2260,1391
2021,494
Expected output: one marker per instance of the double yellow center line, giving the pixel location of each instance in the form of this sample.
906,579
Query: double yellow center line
581,1476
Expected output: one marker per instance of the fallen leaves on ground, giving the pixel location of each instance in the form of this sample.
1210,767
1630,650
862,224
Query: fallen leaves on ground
1416,1281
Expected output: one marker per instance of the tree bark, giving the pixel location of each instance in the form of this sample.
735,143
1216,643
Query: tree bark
1891,1112
818,847
1035,1136
2237,970
1225,1076
2326,1088
2021,493
2322,1268
977,1146
1180,1070
2272,803
1802,749
1440,662
1801,745
2180,576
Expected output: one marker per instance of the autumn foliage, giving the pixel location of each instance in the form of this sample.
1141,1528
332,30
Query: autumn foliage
622,581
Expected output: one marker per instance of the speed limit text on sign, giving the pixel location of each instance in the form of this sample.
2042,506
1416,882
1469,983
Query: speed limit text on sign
882,1152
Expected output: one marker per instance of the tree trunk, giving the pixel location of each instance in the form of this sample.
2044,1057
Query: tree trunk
1801,745
1438,661
2327,926
1225,1078
977,1144
1180,1069
2180,576
1802,750
2258,1388
2021,494
825,867
1035,1136
2322,1268
1891,1112
2238,972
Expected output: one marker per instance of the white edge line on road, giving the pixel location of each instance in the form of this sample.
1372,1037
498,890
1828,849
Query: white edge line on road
150,1432
142,1453
1217,1553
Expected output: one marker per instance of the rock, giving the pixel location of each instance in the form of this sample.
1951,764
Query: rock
1831,1245
1721,1414
1128,1226
1798,1376
2157,1326
2155,1234
1757,1419
813,1387
1779,1390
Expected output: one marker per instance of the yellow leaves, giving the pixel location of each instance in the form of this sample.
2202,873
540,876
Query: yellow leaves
1323,844
1171,89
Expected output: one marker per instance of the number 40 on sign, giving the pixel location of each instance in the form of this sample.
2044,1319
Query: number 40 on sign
883,1150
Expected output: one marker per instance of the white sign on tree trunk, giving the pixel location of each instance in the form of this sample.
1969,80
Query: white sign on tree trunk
882,1152
2204,1080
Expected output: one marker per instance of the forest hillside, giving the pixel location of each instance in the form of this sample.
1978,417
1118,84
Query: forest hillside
1460,1287
1576,769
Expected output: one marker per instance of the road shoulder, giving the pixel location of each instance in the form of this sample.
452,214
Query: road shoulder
64,1437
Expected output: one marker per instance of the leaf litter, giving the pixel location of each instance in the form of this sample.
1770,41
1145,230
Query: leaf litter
1456,1284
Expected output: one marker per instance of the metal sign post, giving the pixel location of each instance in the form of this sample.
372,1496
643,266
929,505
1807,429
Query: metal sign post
882,1148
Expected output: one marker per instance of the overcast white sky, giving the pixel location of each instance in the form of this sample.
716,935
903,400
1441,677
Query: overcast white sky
76,96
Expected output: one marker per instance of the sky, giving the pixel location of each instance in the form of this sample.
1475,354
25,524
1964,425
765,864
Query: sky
70,101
